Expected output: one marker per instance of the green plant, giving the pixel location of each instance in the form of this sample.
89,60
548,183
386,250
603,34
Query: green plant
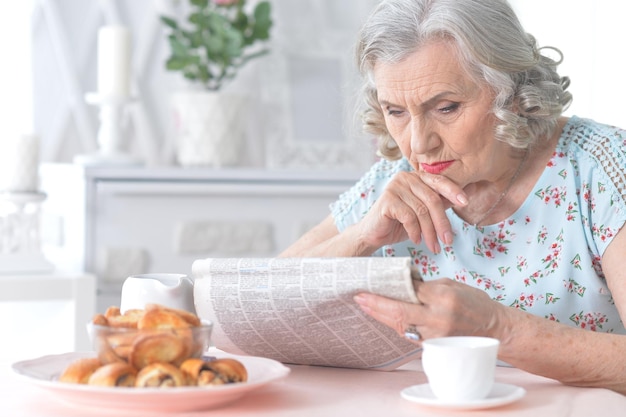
217,39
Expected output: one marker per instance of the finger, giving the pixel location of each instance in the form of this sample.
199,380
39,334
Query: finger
449,195
445,187
393,313
418,224
418,203
426,218
430,212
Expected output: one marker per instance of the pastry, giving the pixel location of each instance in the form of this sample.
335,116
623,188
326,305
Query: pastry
118,374
129,319
214,372
100,320
162,375
198,373
79,371
229,370
153,343
161,319
157,347
189,317
112,311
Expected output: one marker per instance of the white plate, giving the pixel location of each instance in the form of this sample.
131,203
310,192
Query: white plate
501,394
44,372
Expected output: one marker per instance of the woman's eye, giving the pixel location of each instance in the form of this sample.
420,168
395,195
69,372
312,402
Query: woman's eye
449,108
393,112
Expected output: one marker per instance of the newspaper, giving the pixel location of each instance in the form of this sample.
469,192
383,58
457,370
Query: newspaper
301,311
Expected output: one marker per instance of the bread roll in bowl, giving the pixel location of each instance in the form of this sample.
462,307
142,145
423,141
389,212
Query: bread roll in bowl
158,347
142,337
144,348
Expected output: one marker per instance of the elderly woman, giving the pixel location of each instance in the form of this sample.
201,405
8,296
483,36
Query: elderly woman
512,212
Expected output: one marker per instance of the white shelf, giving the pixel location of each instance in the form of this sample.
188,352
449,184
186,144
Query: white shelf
121,221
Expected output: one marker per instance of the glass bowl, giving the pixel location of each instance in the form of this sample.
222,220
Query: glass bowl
141,347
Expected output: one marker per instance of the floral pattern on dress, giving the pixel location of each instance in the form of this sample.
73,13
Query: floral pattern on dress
590,321
525,301
553,195
422,261
494,242
481,281
575,288
546,258
549,262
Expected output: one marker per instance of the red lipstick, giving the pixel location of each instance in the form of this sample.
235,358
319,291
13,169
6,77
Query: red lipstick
436,168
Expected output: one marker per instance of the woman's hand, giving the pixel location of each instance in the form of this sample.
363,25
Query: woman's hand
412,206
447,308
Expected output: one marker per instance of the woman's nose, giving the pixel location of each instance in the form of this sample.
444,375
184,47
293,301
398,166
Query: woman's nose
423,137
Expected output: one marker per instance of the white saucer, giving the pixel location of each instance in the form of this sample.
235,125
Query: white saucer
501,394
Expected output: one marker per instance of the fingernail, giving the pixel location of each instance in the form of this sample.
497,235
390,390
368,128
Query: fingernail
437,248
448,238
461,199
359,299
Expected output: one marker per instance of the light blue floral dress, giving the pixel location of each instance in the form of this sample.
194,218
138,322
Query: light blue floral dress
546,257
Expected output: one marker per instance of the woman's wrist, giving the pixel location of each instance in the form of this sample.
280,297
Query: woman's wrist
360,245
504,326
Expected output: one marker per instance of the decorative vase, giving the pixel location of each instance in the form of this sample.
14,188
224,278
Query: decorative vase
210,128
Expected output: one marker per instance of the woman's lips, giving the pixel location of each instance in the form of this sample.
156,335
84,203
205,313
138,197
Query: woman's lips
436,168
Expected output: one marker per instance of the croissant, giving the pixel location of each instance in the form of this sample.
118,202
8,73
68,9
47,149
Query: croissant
158,347
160,374
198,373
192,319
162,319
118,374
215,372
129,319
79,371
146,348
229,370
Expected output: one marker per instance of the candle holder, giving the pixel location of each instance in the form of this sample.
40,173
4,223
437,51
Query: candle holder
111,134
20,245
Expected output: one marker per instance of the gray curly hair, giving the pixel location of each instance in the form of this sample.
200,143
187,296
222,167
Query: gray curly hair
492,46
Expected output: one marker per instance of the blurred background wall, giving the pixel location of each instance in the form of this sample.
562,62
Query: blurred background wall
53,42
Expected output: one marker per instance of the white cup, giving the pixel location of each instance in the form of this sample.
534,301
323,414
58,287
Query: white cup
461,368
170,290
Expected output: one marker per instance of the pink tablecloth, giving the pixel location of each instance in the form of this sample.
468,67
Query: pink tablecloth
318,391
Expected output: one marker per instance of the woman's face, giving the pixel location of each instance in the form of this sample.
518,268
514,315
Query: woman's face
439,117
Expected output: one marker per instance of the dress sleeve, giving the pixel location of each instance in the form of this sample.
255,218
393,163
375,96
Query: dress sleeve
353,204
601,162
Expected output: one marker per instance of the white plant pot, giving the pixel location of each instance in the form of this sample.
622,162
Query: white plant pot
210,128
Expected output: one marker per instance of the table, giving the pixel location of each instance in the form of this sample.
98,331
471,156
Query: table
319,391
79,288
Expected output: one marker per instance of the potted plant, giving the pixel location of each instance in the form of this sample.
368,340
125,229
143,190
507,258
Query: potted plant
208,49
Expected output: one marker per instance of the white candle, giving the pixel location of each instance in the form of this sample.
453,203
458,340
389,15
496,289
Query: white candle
114,61
20,164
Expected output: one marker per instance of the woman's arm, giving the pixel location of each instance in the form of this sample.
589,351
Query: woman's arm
324,240
572,355
575,356
535,344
